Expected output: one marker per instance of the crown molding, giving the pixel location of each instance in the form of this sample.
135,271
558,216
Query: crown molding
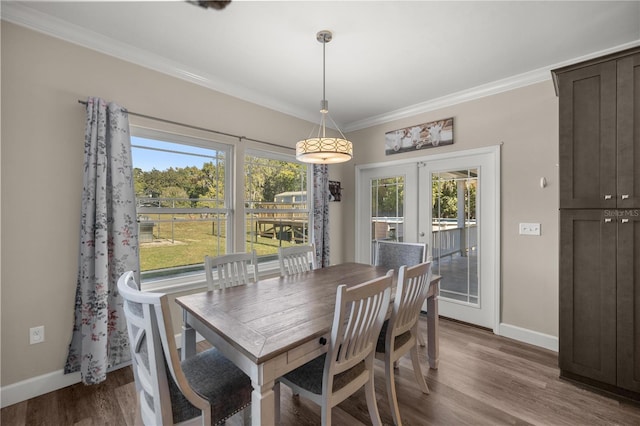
27,17
35,20
493,88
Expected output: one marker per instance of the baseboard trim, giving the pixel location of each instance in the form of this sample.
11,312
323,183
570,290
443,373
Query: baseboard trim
528,336
45,383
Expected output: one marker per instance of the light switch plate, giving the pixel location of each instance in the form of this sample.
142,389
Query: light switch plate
529,229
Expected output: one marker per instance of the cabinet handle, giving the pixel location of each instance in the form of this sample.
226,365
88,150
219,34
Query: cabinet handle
607,220
322,341
625,196
624,220
607,196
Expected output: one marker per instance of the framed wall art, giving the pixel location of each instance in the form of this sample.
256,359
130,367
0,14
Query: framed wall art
420,136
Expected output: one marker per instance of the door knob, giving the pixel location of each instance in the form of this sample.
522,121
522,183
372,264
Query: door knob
422,234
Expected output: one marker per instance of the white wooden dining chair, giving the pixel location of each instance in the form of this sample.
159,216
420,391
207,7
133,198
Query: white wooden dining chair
297,259
170,391
393,254
232,269
399,333
348,364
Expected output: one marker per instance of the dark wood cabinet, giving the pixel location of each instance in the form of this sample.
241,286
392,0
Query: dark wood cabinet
599,334
599,104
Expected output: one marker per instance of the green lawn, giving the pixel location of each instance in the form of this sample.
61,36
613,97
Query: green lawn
189,241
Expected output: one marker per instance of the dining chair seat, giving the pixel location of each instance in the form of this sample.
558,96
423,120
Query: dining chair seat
309,376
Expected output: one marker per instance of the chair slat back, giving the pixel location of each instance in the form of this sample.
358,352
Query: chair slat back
411,292
297,259
358,318
162,384
147,352
232,269
392,254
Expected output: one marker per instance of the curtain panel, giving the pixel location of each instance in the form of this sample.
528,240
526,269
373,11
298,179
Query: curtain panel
321,213
108,244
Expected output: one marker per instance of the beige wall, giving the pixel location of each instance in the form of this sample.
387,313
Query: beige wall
42,144
41,176
526,121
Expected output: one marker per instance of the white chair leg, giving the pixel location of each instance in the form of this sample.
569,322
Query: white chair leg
372,405
391,390
246,416
420,338
325,416
418,371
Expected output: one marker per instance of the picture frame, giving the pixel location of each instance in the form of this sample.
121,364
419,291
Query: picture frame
421,136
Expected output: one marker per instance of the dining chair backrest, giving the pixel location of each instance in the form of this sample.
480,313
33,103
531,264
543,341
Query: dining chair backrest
297,259
232,269
411,292
145,313
170,391
393,254
348,364
359,314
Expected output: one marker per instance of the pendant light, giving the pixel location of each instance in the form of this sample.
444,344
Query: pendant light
323,149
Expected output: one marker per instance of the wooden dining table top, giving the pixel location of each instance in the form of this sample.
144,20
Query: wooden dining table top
265,319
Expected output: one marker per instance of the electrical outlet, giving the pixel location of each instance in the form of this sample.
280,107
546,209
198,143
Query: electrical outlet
36,334
529,229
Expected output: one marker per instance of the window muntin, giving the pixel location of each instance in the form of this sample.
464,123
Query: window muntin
276,203
182,187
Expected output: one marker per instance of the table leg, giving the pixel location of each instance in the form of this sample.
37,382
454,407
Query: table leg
433,351
263,404
188,338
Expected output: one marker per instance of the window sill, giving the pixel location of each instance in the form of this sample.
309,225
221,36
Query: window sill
198,281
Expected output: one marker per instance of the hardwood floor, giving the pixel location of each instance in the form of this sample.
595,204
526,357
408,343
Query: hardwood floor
482,380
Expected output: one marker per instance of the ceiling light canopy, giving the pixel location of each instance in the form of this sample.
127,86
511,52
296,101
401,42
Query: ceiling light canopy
322,149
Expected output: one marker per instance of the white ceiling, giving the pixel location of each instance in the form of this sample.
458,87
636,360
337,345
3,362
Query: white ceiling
388,59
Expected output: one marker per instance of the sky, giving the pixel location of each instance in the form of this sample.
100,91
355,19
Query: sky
148,159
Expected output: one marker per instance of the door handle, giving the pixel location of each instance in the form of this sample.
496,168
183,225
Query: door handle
607,220
422,234
624,220
607,196
625,196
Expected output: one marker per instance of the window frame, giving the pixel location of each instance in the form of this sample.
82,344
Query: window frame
180,282
272,265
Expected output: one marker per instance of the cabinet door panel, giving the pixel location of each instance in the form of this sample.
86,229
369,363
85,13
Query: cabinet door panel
588,295
629,300
588,136
629,132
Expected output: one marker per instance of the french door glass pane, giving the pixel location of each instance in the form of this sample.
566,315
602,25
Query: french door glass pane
454,234
387,209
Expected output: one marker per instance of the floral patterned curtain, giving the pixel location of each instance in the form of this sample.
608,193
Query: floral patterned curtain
321,213
108,244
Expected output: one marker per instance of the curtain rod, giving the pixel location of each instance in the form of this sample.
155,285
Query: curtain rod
190,126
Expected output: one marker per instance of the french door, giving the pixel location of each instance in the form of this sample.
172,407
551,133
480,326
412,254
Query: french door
451,203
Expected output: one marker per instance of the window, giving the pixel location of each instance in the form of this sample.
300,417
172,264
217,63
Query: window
182,187
276,207
387,208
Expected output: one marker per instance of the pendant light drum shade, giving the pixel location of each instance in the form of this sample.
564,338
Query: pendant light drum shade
322,149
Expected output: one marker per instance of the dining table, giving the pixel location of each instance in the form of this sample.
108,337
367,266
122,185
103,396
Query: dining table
275,325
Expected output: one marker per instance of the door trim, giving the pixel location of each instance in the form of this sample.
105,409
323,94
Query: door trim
493,150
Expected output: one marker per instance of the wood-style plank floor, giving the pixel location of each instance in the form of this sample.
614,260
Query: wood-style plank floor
482,379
